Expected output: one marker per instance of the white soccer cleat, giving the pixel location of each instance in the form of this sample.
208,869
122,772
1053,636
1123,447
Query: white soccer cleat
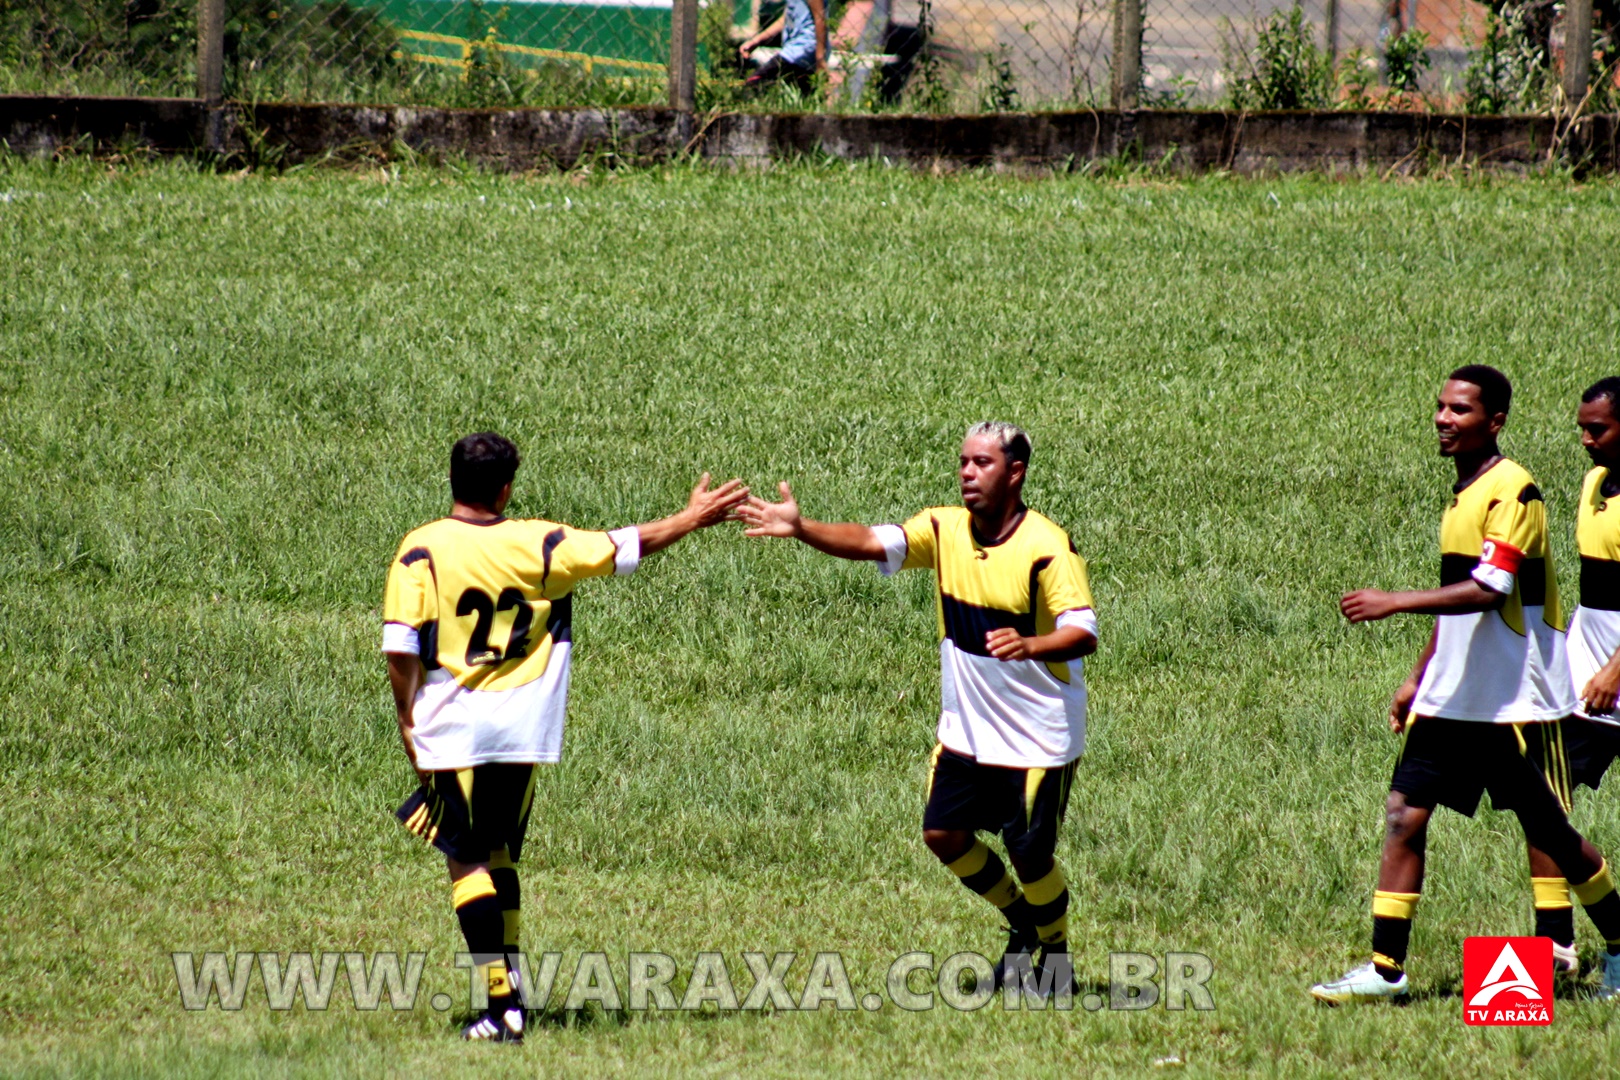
1365,984
1566,961
488,1028
1609,989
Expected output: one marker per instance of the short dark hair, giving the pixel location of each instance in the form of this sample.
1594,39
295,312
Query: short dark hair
480,465
1605,388
1495,392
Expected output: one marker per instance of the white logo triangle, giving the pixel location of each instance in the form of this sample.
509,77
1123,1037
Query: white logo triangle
1508,973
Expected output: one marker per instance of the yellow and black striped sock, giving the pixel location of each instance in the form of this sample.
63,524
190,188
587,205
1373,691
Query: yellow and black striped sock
1392,930
478,910
983,871
1049,907
1602,905
507,890
1555,911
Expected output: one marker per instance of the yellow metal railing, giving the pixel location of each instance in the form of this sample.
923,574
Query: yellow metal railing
466,45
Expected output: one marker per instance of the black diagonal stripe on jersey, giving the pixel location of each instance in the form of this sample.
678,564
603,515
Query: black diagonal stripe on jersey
966,624
416,554
1533,582
553,538
1455,568
1530,494
560,623
427,642
1035,569
1600,584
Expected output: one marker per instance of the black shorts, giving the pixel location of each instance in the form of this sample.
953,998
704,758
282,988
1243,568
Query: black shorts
777,70
1573,751
1023,805
1453,762
471,813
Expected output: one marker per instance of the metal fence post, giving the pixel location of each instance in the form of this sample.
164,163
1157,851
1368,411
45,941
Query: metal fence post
683,55
1127,74
1577,50
211,51
211,71
1332,21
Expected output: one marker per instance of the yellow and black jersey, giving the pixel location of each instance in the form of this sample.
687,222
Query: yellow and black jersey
489,609
1020,713
1496,532
1507,665
1594,632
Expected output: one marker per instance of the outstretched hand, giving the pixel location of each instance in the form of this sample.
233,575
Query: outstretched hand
1367,605
712,507
771,519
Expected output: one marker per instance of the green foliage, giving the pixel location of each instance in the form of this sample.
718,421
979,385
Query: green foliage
1000,90
717,52
1406,58
1285,69
288,48
150,43
928,90
1357,79
1510,71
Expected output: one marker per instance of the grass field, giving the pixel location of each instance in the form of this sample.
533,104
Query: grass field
223,400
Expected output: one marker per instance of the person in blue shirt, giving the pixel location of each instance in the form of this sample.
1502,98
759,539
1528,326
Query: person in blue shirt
803,28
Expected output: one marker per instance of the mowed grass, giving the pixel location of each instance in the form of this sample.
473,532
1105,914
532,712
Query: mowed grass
223,400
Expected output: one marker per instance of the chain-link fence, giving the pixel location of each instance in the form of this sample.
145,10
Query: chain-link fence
913,55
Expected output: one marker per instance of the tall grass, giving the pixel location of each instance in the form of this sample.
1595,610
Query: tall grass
222,400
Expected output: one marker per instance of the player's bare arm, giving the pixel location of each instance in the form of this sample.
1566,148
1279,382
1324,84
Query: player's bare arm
844,540
1463,598
1400,706
405,679
1063,644
1602,690
704,508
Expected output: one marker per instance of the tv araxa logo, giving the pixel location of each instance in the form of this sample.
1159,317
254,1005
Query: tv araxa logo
1508,980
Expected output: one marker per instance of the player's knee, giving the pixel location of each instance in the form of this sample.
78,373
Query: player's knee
1031,865
948,845
1403,823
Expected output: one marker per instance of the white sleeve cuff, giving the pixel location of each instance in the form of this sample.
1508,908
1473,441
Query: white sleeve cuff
626,549
1494,578
1084,618
893,539
397,637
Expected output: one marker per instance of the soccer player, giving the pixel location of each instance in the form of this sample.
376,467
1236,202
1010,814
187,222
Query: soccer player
1495,661
1015,618
1580,749
477,628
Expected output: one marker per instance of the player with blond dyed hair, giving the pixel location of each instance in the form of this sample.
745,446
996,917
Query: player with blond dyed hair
1015,621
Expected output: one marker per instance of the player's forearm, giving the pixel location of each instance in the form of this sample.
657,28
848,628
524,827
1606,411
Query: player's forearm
1424,657
1064,643
660,534
1463,598
845,540
405,679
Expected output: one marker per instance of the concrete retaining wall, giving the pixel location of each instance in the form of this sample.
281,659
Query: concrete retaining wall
521,139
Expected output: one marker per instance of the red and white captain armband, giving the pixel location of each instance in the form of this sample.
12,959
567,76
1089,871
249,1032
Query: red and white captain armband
1498,565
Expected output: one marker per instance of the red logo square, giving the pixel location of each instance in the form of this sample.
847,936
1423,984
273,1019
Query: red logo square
1508,980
